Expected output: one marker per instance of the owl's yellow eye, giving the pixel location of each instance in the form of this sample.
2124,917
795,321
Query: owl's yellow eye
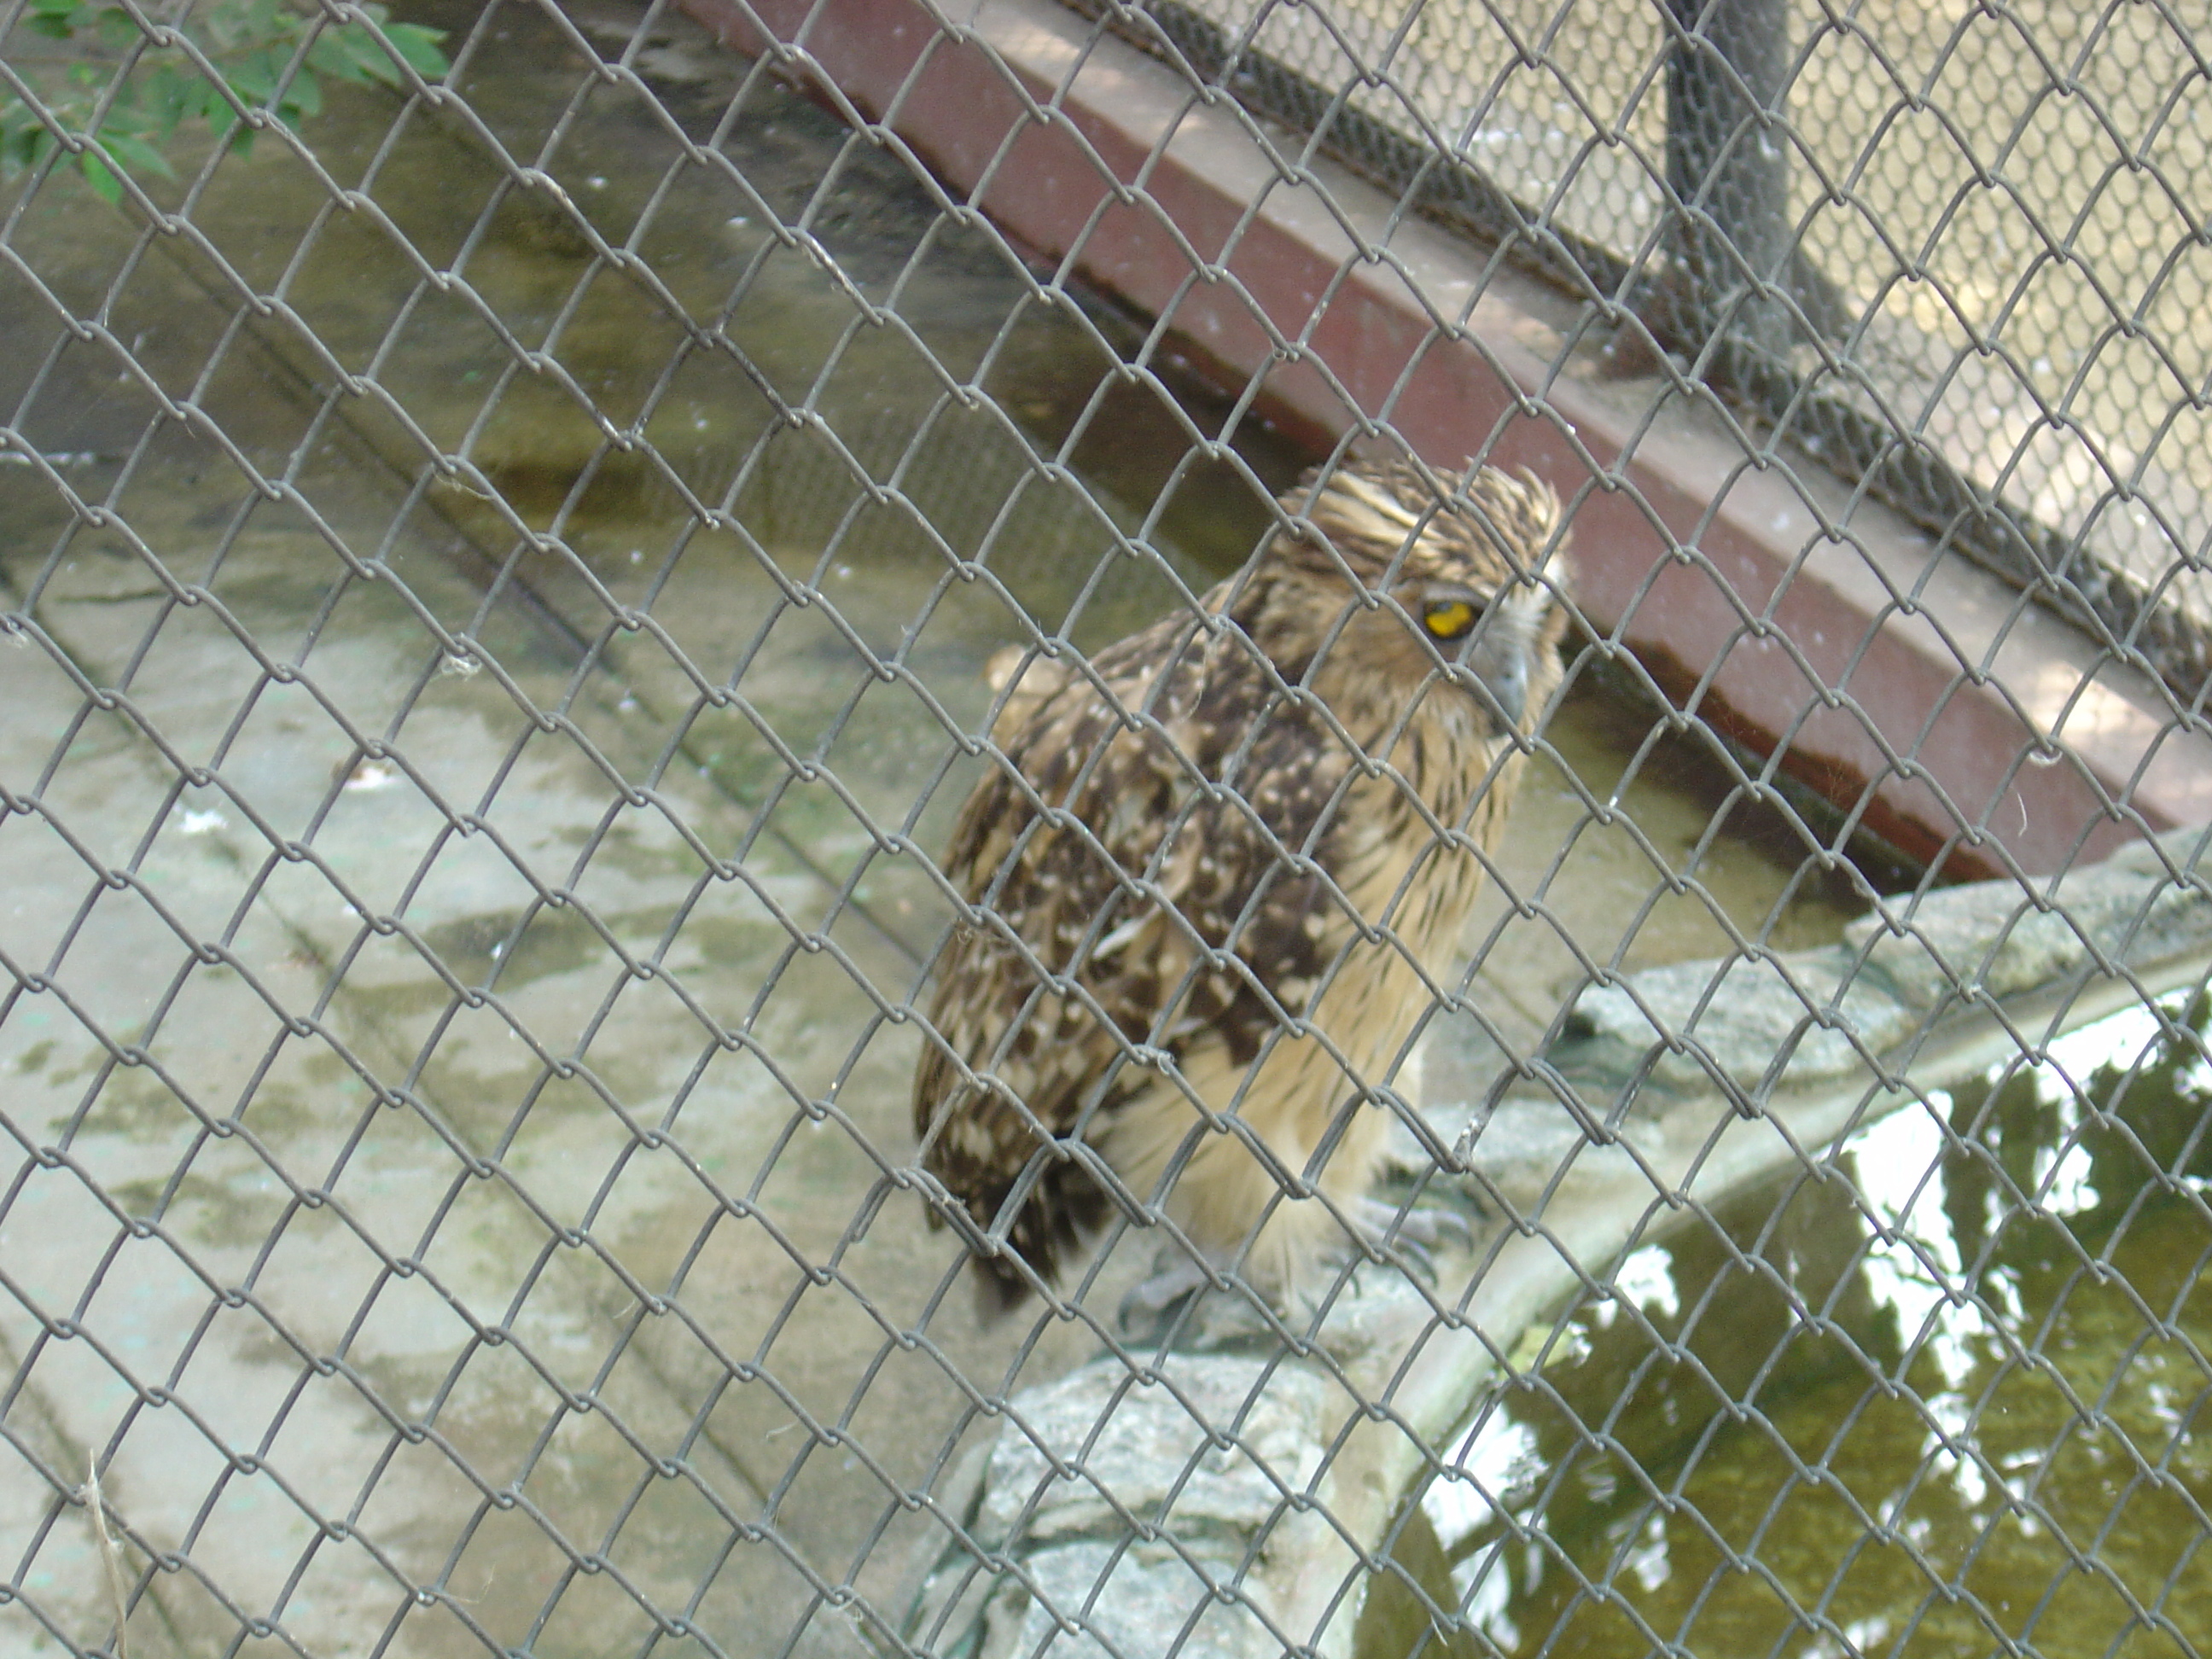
1448,619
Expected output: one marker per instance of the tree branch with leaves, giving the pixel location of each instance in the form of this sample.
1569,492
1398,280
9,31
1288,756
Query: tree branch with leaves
134,76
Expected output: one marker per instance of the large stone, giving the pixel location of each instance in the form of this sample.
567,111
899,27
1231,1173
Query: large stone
1094,1475
1132,1506
1752,1021
1999,938
1217,1445
1109,1602
1759,1024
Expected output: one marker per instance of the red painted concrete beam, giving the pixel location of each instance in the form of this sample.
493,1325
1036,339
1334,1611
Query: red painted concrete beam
1953,717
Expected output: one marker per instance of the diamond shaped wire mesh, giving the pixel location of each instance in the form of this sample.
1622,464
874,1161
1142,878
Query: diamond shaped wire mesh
1954,255
501,572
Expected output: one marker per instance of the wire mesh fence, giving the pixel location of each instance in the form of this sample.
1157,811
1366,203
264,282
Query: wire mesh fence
1952,255
581,613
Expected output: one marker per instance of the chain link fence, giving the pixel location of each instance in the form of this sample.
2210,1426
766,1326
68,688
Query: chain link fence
1955,255
522,526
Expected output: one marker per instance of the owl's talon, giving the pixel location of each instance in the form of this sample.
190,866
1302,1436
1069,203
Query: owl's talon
1415,1238
1148,1304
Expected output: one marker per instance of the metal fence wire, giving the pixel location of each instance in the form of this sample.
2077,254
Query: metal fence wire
588,598
1950,255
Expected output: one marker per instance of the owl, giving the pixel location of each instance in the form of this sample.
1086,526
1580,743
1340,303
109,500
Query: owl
1215,876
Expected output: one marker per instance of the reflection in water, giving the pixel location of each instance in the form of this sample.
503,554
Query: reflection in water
1943,1406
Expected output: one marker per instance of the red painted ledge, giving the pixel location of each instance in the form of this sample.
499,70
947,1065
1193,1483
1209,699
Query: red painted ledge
1956,720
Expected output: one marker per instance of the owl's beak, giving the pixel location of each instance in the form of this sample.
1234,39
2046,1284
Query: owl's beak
1503,654
1509,684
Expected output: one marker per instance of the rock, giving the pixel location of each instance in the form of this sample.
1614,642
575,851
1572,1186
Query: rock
1752,1021
1121,1601
1215,1446
1994,939
1760,1024
1095,1475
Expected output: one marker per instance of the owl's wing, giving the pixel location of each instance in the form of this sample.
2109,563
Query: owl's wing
1154,901
1028,680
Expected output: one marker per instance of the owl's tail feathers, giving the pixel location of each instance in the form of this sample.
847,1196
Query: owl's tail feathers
1001,1286
1021,1233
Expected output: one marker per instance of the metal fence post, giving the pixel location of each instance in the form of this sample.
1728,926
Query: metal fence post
1727,74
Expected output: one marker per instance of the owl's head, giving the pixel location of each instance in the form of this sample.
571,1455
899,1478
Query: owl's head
1401,584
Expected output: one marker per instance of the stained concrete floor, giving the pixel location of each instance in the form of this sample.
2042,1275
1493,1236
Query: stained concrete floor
417,1157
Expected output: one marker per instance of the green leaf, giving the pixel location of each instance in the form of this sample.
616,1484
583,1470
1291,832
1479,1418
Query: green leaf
304,98
253,77
366,51
232,25
24,139
169,94
417,47
104,185
134,151
251,44
56,18
131,119
19,136
348,54
118,30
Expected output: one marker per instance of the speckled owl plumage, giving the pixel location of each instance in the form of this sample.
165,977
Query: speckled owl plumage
1215,876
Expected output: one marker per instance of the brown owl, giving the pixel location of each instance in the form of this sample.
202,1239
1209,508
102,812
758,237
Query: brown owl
1216,875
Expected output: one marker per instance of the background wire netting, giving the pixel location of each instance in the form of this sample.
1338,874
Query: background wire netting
498,583
1991,301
